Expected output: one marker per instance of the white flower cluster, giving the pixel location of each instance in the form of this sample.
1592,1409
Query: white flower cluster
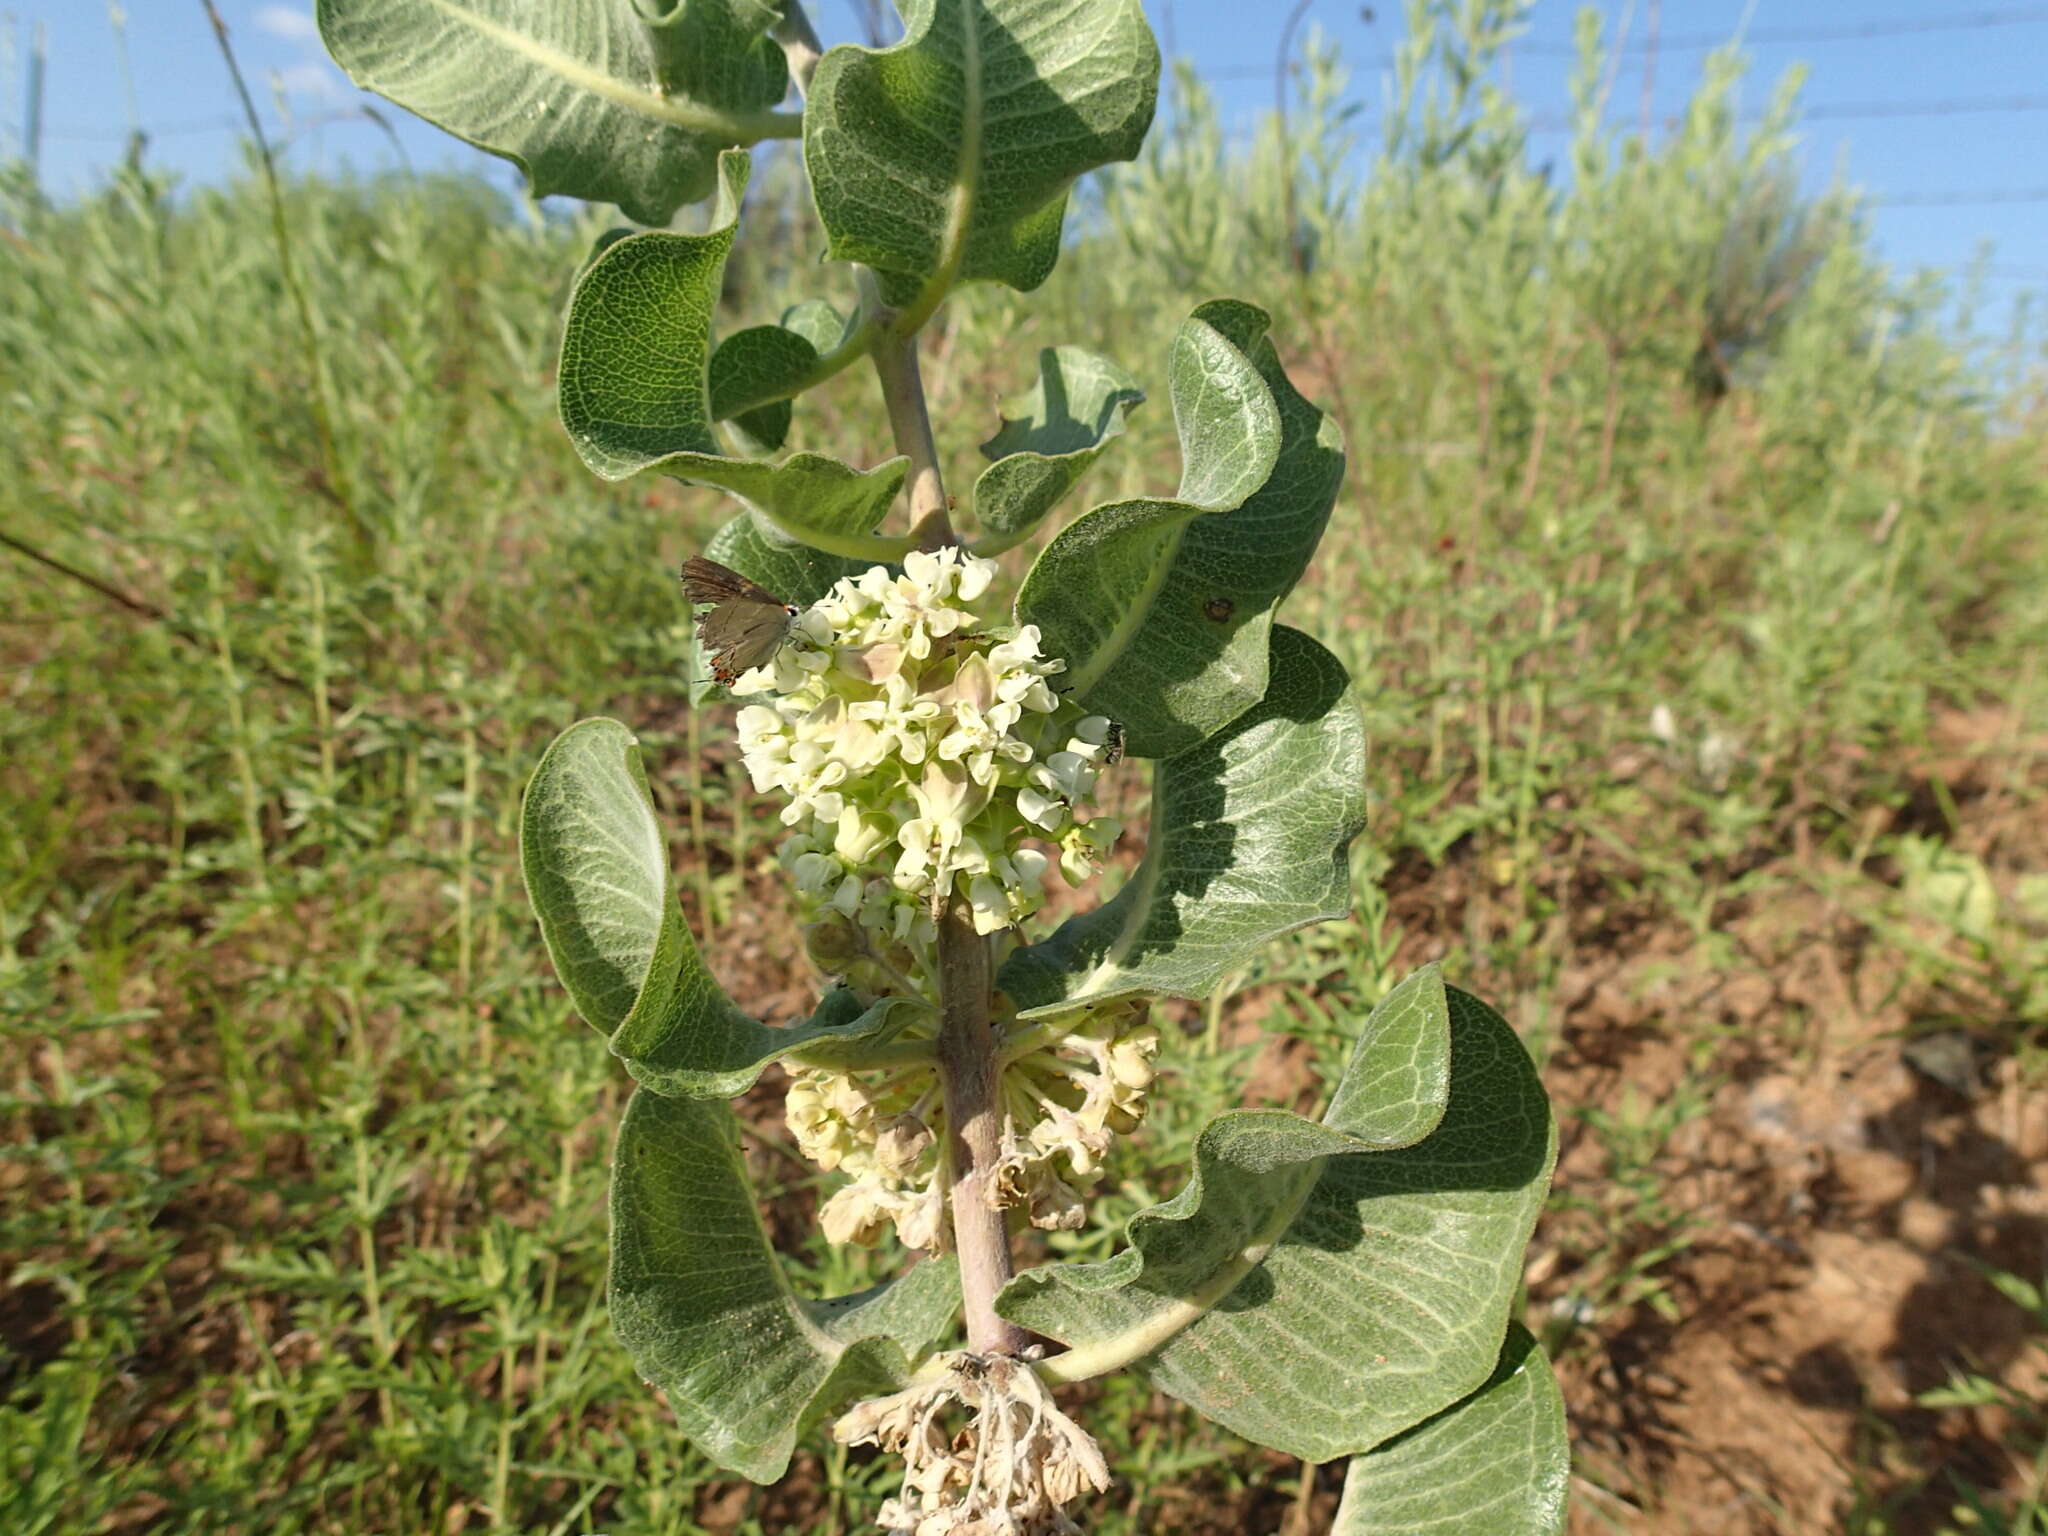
1078,1083
920,757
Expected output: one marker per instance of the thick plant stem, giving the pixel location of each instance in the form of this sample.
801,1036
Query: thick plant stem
970,1075
903,394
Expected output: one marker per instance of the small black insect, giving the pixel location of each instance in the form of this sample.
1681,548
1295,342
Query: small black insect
1113,747
1217,609
747,623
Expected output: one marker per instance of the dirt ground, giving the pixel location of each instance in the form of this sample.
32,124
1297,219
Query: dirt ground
1866,1140
1839,1199
1845,1138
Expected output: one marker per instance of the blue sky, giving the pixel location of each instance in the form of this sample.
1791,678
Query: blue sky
1930,122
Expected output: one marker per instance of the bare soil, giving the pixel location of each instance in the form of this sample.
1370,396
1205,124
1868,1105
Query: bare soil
1828,1201
1870,1139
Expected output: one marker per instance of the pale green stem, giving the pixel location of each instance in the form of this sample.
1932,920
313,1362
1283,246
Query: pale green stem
465,864
501,1474
895,358
323,717
800,45
238,730
322,398
1118,1350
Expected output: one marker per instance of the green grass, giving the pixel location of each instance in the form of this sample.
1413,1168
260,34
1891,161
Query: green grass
302,1158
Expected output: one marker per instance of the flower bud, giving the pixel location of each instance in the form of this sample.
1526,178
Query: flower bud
1130,1057
832,945
1072,773
875,663
948,796
1040,810
990,902
861,836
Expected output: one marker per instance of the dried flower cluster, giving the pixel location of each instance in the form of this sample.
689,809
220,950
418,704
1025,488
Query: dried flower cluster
1010,1472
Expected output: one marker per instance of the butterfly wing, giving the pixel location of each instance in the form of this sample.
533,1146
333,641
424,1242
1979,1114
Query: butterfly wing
706,581
758,639
747,623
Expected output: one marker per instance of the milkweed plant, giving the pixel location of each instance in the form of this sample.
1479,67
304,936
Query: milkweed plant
1336,1289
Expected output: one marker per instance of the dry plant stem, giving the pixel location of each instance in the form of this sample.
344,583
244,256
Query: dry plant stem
969,1073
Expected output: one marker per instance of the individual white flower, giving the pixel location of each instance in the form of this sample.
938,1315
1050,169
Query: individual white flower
1083,844
859,1213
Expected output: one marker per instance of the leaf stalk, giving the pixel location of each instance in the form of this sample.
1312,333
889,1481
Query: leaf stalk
895,357
800,45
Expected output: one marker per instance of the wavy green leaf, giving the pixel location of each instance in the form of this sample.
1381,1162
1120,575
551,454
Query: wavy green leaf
1247,842
597,873
1049,437
635,388
592,98
811,499
948,156
1163,615
772,363
634,384
704,1307
1498,1462
1312,1293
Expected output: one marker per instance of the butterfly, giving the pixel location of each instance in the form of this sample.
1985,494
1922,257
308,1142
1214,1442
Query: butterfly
747,623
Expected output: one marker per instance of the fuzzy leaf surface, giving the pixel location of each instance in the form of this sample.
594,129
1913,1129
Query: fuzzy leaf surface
948,156
1164,614
1312,1292
1499,1461
771,362
596,99
635,386
1247,842
796,573
596,869
1049,436
702,1303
